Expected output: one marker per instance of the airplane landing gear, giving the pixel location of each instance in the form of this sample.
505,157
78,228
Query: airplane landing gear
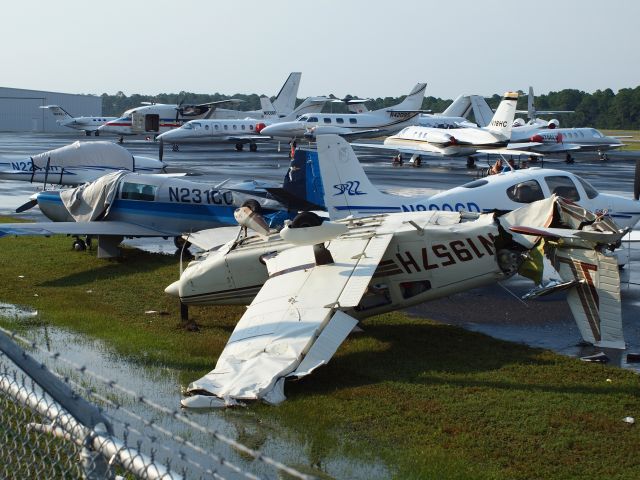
121,140
239,147
87,133
175,147
397,160
96,133
253,147
471,162
603,156
416,161
569,160
79,245
180,243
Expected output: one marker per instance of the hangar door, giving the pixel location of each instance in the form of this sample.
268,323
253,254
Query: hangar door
21,114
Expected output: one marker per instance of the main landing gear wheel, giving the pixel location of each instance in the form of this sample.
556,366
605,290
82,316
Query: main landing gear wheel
96,133
180,243
121,140
79,245
471,162
306,219
253,205
87,133
239,147
569,160
253,147
174,147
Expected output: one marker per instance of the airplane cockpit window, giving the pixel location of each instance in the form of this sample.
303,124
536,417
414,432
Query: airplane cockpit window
327,120
303,118
588,188
196,125
188,126
138,191
312,119
596,133
475,183
525,192
563,187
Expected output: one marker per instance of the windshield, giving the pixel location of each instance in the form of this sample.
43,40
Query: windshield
588,188
187,126
563,187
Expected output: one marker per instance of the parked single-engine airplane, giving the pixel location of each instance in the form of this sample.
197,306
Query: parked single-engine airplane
77,163
494,138
311,283
332,178
210,131
86,124
154,118
384,121
124,204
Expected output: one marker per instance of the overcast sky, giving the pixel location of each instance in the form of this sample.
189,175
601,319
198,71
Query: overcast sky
369,48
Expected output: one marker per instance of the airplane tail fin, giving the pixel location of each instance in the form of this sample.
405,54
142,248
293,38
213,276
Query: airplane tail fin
481,110
310,105
412,102
531,106
60,113
502,120
285,100
268,110
460,107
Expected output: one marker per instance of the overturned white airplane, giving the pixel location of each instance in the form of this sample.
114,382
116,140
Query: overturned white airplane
310,284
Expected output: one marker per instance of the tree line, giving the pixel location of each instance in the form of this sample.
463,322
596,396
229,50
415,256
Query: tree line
601,109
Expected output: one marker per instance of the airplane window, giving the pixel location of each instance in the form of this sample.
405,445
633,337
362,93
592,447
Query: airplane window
312,119
588,188
226,127
235,127
339,120
377,295
303,118
353,120
327,120
187,126
216,127
250,127
242,127
195,125
563,187
596,133
525,192
206,127
138,191
475,183
411,289
582,134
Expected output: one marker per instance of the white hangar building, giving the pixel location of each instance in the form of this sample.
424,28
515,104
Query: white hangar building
20,109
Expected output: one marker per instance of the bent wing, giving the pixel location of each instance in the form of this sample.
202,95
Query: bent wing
294,324
82,228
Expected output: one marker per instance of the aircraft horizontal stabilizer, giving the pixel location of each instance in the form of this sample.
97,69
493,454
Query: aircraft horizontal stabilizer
605,238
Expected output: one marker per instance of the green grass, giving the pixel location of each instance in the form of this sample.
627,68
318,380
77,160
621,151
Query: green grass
632,143
429,400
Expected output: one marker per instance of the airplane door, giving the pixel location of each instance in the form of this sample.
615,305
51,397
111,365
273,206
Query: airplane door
137,122
152,123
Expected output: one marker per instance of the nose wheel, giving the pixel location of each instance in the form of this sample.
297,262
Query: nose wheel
253,147
80,245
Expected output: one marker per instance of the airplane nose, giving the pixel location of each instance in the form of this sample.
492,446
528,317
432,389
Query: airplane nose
173,289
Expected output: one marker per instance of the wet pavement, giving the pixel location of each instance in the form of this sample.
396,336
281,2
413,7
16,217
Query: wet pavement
495,310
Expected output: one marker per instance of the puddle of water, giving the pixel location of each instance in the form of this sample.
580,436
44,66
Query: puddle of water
162,386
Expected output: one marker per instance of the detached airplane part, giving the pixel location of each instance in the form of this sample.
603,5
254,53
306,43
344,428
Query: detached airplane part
305,298
77,163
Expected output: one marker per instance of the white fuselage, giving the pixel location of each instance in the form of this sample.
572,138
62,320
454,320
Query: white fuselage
87,124
152,119
563,139
214,131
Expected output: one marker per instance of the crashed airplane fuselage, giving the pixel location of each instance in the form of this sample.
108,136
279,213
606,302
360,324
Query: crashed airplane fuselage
309,284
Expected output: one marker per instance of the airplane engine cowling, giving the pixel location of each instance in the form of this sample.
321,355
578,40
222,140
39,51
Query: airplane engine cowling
440,138
260,126
553,123
518,122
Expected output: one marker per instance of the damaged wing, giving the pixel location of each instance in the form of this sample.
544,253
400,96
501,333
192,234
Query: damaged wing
294,324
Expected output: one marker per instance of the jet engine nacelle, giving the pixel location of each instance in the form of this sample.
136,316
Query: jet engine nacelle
440,138
553,123
518,122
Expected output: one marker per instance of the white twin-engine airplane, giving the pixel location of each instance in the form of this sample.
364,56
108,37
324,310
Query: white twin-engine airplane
158,118
384,121
334,179
86,124
209,131
493,138
310,284
77,163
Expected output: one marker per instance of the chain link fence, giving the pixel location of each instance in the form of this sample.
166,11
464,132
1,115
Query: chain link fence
60,420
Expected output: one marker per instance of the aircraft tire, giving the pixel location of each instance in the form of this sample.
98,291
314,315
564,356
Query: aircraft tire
239,147
305,219
180,242
253,147
79,245
253,205
87,133
96,133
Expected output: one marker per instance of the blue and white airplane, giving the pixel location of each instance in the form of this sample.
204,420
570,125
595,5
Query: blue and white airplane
333,178
124,204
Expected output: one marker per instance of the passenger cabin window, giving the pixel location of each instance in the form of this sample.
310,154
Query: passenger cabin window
235,127
216,127
339,120
327,120
588,188
226,127
206,127
353,121
242,127
138,191
525,192
250,127
563,187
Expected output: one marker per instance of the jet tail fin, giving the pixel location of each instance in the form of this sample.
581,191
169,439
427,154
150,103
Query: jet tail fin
268,110
502,120
285,100
481,110
60,113
411,103
460,107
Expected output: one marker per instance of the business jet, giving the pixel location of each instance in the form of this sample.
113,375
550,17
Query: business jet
86,124
77,163
494,138
384,121
454,116
332,178
125,204
310,284
240,132
154,119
